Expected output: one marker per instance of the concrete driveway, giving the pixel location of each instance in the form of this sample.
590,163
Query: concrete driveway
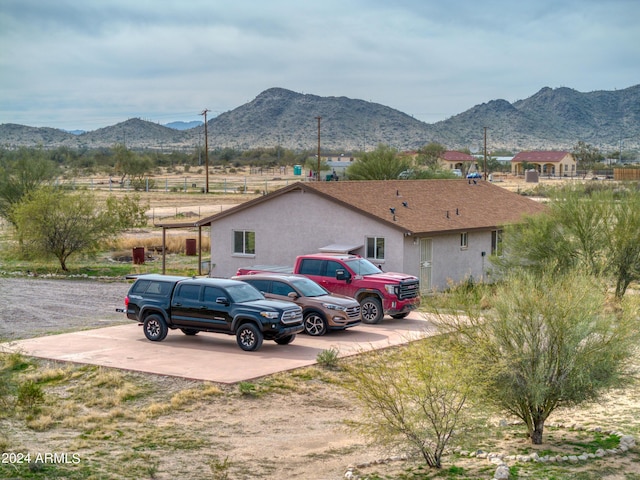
213,357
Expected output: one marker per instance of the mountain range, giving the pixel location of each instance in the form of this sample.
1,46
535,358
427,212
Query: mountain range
550,119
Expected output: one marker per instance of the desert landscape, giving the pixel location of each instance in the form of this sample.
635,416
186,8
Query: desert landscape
127,425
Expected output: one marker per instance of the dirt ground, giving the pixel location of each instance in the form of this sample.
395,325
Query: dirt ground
32,307
292,434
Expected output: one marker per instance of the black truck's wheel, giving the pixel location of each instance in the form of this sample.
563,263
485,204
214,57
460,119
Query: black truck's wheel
155,328
249,337
189,331
286,340
315,324
371,309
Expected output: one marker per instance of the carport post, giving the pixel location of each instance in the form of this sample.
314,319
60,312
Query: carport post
199,249
164,250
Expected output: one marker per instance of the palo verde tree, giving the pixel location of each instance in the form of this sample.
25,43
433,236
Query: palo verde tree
20,174
595,230
430,153
548,341
383,163
55,222
128,163
414,398
586,155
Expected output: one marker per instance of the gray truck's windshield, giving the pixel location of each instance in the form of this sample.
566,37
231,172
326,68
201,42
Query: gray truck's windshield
308,288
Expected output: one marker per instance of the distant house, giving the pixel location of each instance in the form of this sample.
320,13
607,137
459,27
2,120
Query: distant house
438,230
453,160
545,162
338,164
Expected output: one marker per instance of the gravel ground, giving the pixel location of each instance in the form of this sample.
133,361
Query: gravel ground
32,307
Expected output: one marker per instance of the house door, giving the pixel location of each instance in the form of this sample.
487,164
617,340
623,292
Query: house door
425,265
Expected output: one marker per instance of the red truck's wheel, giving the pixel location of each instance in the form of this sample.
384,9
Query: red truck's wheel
248,337
371,309
155,328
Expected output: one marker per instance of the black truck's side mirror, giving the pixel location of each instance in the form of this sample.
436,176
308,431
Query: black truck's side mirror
222,301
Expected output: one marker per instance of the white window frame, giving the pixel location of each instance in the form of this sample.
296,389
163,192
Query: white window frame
375,248
496,242
244,252
464,240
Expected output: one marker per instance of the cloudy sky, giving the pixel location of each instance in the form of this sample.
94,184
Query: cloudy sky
86,64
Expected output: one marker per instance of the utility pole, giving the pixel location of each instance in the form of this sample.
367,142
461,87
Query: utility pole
485,153
206,152
318,172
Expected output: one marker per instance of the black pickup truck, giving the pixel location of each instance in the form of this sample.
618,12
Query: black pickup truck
162,302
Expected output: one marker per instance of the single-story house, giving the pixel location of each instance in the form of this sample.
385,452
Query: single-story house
437,230
545,162
454,160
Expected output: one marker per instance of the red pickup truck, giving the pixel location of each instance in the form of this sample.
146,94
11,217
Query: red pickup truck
379,293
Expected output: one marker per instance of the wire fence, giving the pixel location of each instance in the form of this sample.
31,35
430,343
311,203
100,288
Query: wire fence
184,184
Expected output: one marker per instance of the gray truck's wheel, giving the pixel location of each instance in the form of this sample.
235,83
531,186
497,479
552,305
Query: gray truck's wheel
155,328
248,337
371,309
286,340
315,324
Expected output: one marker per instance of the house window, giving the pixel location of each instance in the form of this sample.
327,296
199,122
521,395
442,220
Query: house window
375,248
496,242
464,240
244,242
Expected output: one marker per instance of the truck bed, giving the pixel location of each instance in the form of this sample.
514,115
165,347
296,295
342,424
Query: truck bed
265,268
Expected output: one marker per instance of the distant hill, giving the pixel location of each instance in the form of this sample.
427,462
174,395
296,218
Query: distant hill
184,125
550,119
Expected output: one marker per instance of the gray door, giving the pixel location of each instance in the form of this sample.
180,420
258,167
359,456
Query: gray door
425,264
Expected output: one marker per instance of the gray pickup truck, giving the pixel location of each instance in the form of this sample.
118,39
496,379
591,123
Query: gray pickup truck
162,302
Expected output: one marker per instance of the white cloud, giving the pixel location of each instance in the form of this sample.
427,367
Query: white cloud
78,64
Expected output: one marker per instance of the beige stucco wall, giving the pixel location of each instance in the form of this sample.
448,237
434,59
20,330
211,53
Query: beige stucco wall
297,223
449,262
293,224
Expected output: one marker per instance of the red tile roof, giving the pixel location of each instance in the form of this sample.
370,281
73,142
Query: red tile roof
432,206
540,156
454,156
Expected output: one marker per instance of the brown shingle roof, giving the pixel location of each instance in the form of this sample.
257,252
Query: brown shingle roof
432,206
540,156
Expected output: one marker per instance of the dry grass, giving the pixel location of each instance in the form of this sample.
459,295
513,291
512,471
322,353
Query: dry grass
175,242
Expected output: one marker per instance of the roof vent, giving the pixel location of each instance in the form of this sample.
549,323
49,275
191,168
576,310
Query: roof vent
405,204
392,210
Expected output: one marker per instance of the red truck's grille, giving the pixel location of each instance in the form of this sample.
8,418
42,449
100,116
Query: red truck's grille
408,289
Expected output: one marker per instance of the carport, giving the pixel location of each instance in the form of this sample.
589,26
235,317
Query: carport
166,226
